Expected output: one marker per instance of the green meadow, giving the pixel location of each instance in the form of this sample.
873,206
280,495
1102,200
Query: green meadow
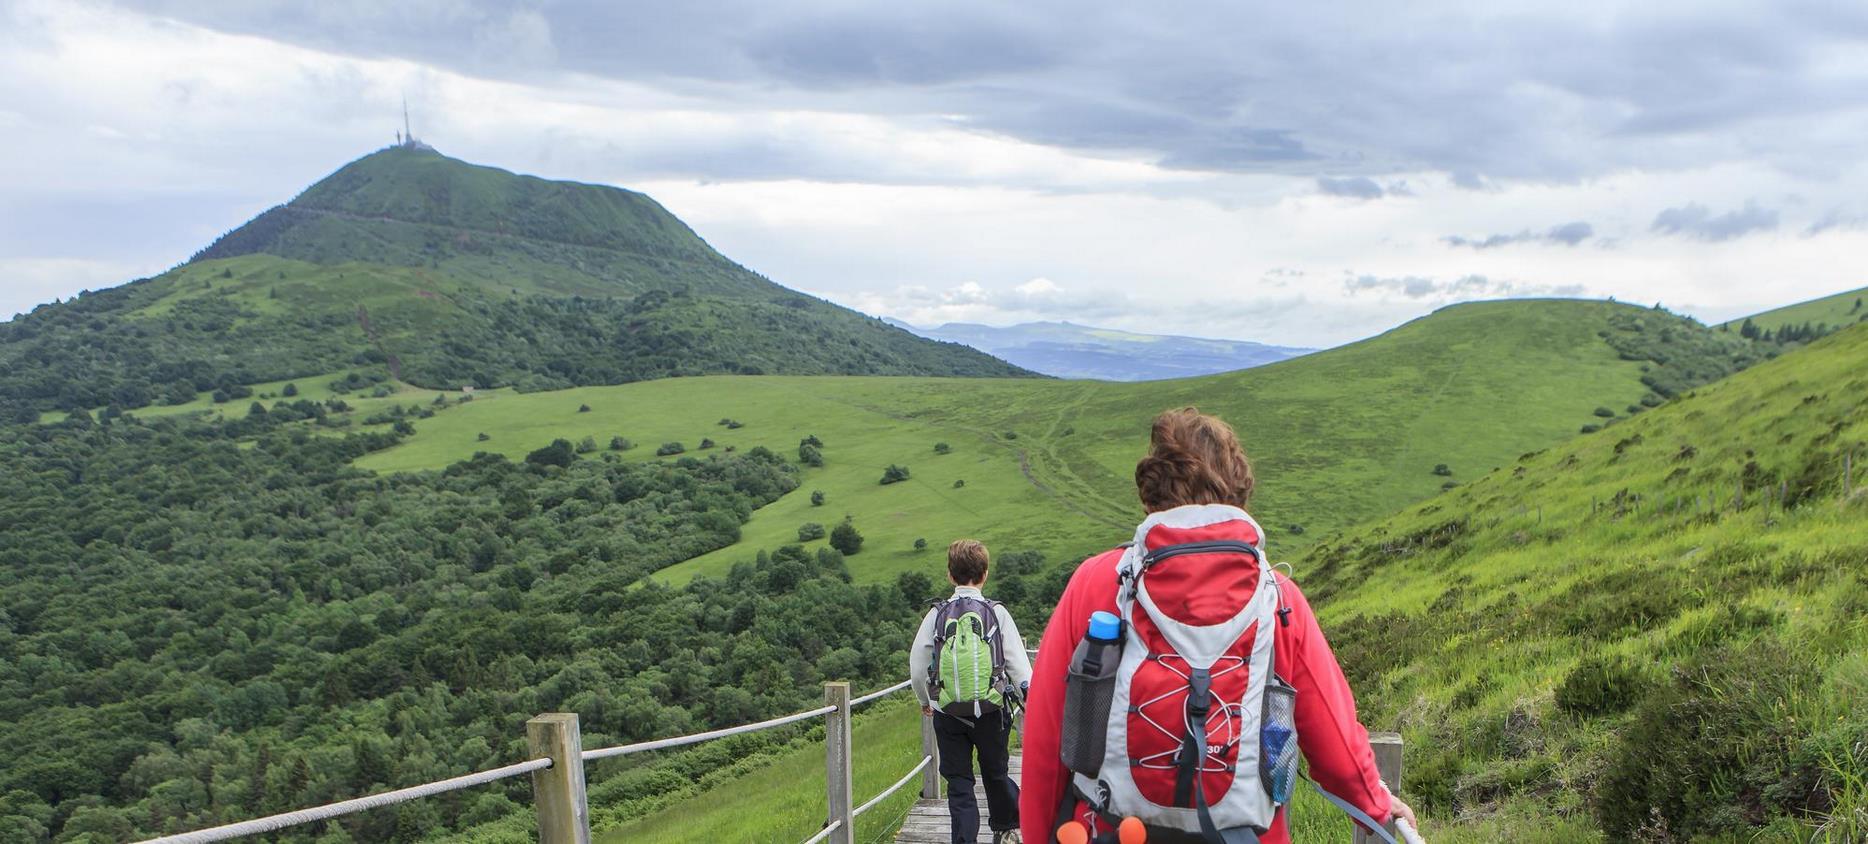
1845,308
1337,436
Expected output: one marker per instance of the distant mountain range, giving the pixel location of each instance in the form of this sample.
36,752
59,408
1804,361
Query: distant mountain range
1068,350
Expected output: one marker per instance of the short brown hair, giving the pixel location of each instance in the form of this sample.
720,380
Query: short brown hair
1192,458
966,561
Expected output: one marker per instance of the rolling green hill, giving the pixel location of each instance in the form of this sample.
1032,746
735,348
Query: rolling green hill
1835,311
445,274
1654,632
1338,436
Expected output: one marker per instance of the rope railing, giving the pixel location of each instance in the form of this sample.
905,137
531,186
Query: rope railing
824,833
917,769
333,810
573,785
881,693
678,741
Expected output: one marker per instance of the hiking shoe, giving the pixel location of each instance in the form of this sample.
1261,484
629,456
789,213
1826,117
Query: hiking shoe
1006,836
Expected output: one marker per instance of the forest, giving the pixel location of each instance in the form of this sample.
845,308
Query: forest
194,631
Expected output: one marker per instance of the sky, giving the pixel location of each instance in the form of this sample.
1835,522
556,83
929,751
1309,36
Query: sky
1300,174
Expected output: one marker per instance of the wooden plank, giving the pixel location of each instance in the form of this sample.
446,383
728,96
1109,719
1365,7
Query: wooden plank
929,823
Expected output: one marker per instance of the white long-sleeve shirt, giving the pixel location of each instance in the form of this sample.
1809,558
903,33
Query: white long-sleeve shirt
921,654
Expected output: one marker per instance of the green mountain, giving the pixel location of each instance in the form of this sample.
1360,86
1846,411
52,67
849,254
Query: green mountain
445,274
1814,318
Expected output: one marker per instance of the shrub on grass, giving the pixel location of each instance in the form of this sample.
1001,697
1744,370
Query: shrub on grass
894,474
1020,562
1709,753
1590,429
817,498
1442,469
846,539
670,448
289,391
586,445
484,437
583,408
706,443
1597,687
559,453
958,484
621,444
809,455
809,531
1605,413
942,448
921,544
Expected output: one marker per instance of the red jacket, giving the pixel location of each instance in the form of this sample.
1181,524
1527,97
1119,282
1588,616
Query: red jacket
1333,742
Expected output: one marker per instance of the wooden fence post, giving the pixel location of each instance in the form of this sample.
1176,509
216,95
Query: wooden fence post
558,791
1387,747
930,776
837,763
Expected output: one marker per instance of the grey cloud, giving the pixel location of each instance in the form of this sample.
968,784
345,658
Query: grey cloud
1468,180
1835,218
1568,234
1464,287
1357,187
1512,93
1697,221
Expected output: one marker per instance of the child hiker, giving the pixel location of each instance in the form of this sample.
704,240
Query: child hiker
969,669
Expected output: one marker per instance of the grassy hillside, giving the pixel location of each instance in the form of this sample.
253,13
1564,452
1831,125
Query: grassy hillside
1605,641
1845,308
446,274
1666,615
1337,436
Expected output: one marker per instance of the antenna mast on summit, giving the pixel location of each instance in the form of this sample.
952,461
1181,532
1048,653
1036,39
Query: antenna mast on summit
408,133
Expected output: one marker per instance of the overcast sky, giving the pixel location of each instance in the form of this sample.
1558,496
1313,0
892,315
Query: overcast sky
1294,173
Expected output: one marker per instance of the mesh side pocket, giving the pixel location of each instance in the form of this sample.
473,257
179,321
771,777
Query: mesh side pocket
1086,722
1277,742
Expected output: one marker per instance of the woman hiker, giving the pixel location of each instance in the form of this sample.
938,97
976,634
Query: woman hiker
1179,656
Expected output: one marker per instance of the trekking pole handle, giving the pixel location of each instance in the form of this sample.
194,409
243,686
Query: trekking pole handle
1408,833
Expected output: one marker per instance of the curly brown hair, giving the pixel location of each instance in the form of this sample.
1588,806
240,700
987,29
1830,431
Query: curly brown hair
1192,458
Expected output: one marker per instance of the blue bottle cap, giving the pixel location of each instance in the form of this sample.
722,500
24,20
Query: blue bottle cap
1105,626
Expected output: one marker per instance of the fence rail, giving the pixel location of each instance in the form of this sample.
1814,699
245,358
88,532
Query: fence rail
558,776
314,814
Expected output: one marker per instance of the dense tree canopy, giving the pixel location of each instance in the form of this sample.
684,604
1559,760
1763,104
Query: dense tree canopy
194,629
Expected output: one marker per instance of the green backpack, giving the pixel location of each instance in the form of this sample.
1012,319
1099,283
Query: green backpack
967,674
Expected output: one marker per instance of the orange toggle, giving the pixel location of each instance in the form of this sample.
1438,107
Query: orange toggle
1073,833
1131,831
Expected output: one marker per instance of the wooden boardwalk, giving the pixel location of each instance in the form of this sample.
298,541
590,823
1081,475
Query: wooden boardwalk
928,822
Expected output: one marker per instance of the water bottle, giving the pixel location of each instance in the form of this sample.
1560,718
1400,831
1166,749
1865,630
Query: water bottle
1089,687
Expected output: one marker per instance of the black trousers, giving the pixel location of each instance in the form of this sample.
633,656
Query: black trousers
958,739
